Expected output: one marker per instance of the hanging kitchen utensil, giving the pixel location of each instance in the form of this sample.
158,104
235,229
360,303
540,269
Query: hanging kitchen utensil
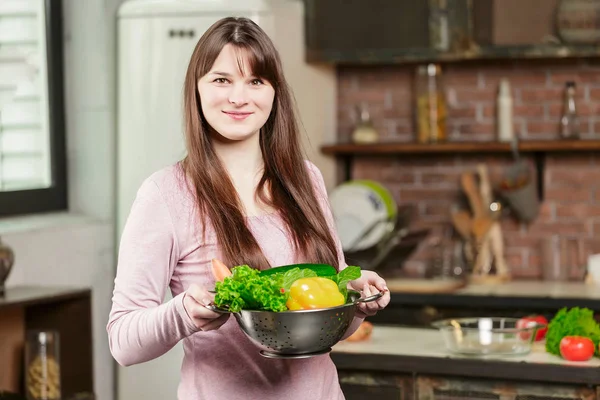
519,189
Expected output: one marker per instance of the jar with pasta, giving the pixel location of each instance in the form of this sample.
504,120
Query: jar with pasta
430,110
42,365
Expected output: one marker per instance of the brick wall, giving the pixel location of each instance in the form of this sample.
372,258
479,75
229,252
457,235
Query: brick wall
572,181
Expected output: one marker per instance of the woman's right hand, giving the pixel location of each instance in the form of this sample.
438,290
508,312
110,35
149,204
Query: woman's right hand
194,302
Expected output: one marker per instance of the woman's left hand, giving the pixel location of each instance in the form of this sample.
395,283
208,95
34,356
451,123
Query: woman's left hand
369,284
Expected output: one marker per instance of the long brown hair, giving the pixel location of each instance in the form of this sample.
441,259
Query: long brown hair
285,173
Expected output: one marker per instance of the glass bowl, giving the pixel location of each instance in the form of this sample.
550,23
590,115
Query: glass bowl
488,336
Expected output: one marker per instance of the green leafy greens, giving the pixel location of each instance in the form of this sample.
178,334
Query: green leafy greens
248,289
346,275
574,322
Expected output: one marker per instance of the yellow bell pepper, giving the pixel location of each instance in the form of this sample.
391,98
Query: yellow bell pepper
314,292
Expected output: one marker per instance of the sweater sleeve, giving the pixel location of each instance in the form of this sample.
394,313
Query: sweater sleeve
141,327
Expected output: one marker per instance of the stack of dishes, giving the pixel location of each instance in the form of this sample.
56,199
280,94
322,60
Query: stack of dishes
364,212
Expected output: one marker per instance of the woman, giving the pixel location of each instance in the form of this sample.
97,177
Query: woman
243,194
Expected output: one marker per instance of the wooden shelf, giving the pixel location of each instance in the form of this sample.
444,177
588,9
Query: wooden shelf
543,146
346,152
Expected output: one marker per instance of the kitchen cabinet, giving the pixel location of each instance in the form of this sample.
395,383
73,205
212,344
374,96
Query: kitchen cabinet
345,153
65,310
363,385
361,32
368,384
445,388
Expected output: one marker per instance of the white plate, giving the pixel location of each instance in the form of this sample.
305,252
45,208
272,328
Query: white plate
356,206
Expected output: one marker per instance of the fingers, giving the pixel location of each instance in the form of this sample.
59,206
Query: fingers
371,307
374,284
384,300
195,301
200,295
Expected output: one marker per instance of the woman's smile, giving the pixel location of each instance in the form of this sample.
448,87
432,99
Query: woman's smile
238,115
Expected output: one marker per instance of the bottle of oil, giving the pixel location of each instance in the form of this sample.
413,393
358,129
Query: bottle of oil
569,121
430,105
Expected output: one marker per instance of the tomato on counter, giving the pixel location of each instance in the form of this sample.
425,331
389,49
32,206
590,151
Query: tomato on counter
524,322
576,348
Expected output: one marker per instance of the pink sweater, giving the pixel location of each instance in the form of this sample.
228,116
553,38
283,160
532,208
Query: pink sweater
161,247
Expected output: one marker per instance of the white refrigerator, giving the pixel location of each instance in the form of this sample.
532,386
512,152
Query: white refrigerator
155,42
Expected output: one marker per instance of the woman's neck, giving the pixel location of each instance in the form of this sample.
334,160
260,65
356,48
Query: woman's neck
241,159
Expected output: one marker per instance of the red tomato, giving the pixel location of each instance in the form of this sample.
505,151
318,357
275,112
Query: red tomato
528,321
576,348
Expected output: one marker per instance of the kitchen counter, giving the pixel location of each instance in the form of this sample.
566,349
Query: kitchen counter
517,294
422,351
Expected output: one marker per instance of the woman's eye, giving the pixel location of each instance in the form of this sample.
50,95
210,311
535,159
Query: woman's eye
220,80
257,82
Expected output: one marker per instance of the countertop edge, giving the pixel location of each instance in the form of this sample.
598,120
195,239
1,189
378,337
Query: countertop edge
495,301
470,367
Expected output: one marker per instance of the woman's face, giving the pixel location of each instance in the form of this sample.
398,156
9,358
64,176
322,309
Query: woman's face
235,103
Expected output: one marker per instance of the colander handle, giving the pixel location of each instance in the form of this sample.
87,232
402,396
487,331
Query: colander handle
370,298
214,308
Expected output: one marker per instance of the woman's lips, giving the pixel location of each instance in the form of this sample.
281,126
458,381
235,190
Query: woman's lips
238,115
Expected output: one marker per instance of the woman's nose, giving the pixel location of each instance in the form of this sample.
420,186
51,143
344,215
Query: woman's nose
237,96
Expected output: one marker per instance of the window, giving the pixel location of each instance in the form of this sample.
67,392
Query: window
32,122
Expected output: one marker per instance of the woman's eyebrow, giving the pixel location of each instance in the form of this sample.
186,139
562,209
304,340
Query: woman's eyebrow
220,73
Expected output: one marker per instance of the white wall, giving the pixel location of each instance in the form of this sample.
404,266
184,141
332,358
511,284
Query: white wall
77,248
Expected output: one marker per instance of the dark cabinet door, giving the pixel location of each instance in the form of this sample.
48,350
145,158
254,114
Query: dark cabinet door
445,388
355,31
376,385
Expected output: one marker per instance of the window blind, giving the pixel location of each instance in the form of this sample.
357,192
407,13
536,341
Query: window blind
24,131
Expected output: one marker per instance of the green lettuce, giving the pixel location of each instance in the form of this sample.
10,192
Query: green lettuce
246,289
346,275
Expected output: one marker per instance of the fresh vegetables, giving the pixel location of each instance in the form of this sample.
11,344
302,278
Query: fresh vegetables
572,322
315,292
250,289
576,348
529,321
220,270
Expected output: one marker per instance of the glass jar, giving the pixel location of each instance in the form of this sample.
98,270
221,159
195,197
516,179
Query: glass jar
42,365
430,105
7,260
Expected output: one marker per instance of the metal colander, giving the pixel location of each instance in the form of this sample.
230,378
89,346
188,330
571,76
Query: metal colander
298,334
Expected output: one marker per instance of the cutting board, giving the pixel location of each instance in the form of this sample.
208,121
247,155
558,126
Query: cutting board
413,285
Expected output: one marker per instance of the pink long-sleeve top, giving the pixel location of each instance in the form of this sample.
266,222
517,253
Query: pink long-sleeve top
162,247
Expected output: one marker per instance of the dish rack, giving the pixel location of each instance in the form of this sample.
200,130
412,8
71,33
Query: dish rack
395,247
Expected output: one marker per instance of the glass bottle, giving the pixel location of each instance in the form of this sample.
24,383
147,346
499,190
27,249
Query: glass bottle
439,31
569,121
42,365
364,131
431,105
